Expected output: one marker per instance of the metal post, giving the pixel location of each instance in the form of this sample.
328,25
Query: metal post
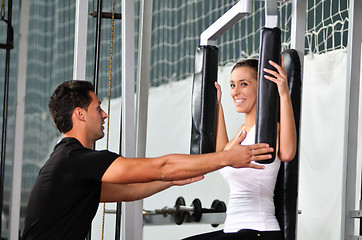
97,46
143,78
271,13
298,39
19,121
298,28
350,171
96,67
132,212
80,40
5,107
117,235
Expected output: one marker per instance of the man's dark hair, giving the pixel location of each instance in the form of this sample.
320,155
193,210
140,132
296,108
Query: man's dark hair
252,63
67,97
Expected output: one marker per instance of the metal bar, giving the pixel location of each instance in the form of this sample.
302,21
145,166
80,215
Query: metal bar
298,28
19,121
225,22
271,13
118,221
143,76
119,204
10,44
128,79
107,15
355,214
5,110
354,238
80,51
350,170
96,68
80,40
207,218
165,217
97,46
5,46
297,43
132,215
360,207
142,96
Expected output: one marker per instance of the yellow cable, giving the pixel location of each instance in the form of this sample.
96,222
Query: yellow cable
109,100
2,11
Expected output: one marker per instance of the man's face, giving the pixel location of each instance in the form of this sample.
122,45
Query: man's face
95,118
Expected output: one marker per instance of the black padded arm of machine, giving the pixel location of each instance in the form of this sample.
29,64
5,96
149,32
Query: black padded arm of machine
268,97
286,188
204,100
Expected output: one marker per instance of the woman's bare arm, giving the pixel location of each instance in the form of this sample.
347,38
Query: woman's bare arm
287,144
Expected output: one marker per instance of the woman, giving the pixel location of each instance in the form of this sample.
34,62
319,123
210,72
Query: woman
250,212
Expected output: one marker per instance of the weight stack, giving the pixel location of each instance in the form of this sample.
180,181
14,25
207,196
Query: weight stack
268,97
204,100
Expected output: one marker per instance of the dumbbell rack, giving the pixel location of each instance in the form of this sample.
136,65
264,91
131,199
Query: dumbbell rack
214,219
180,214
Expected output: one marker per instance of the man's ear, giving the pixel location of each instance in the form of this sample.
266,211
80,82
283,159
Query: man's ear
79,113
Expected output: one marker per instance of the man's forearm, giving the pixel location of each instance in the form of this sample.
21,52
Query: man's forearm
131,192
179,166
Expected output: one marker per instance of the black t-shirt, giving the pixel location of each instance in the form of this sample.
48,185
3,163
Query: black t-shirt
66,194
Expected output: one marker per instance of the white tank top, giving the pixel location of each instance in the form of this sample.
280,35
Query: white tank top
251,204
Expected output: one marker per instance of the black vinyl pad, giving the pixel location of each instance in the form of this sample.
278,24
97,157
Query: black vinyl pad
204,100
267,110
286,188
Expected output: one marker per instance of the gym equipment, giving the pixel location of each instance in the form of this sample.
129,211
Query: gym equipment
286,190
111,15
193,213
9,45
286,187
267,110
204,100
218,206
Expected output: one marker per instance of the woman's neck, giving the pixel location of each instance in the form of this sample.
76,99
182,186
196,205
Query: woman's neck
250,120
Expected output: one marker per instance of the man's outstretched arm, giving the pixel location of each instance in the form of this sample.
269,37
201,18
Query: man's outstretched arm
182,166
112,192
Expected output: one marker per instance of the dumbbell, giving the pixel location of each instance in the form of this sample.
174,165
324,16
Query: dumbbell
179,211
182,210
218,206
195,210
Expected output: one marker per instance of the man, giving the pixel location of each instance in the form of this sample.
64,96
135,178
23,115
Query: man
76,178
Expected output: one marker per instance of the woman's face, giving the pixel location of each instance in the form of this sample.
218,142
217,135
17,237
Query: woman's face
243,89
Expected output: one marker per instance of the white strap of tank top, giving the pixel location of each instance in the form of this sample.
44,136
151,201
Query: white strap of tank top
236,137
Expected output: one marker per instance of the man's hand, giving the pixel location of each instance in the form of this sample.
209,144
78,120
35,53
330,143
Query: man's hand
245,154
187,181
